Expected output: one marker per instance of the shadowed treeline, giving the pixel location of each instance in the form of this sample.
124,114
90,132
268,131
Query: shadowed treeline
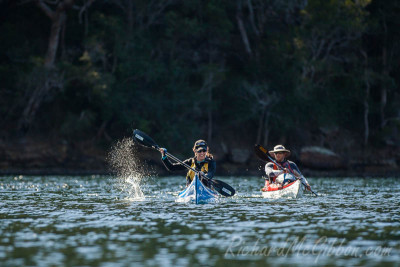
302,73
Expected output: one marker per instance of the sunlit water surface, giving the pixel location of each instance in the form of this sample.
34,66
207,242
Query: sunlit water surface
103,221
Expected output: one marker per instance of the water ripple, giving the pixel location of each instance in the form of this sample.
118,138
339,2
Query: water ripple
97,221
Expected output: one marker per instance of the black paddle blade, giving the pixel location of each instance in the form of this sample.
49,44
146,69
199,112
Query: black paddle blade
223,188
143,139
261,152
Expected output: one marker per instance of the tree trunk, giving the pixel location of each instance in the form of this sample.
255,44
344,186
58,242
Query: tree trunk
42,82
266,129
31,107
210,118
383,105
57,17
208,86
260,127
130,17
366,98
54,38
383,99
366,104
51,78
366,112
383,89
243,33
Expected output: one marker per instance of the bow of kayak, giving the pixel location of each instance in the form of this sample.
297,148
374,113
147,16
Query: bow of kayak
294,189
197,193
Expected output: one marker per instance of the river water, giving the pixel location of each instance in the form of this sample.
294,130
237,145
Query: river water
108,221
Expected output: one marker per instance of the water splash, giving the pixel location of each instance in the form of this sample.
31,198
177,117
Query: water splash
130,169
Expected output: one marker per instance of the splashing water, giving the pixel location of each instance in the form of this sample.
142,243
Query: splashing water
129,168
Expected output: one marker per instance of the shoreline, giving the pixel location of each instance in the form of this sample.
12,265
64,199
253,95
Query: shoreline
46,158
306,172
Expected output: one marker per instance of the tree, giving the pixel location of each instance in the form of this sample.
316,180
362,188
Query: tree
51,78
261,99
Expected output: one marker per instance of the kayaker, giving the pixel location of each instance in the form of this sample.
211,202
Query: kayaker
202,161
280,153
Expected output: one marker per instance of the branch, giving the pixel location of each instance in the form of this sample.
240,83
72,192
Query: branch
24,2
65,4
158,9
242,30
83,8
250,5
119,4
61,6
46,9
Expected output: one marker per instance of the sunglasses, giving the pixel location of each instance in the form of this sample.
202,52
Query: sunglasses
278,153
201,150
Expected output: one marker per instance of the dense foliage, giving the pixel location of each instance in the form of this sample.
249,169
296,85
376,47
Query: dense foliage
300,72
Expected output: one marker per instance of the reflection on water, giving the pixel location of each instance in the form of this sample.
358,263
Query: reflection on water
47,221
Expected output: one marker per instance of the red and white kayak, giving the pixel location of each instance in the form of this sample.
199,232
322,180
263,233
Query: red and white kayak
291,190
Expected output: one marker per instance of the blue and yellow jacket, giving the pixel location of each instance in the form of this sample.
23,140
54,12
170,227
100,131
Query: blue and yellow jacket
208,166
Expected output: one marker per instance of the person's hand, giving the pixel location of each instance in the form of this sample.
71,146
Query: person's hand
286,170
202,174
162,151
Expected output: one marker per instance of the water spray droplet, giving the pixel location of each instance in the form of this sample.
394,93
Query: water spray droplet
130,169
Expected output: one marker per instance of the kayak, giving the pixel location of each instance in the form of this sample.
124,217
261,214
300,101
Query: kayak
293,189
197,193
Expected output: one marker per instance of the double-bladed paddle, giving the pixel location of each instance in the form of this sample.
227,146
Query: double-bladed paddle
263,154
219,186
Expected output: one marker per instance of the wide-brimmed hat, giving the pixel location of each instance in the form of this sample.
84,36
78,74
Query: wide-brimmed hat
280,148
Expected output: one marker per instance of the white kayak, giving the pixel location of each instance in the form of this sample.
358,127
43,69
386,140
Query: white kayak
197,193
292,189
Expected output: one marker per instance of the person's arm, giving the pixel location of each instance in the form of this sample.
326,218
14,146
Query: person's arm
212,167
294,169
172,166
270,172
297,173
175,166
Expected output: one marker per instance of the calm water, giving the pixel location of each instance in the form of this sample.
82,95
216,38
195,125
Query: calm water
97,221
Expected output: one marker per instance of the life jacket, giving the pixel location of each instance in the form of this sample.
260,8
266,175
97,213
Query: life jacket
190,174
283,166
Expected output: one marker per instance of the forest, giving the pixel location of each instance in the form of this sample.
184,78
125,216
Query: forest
79,75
